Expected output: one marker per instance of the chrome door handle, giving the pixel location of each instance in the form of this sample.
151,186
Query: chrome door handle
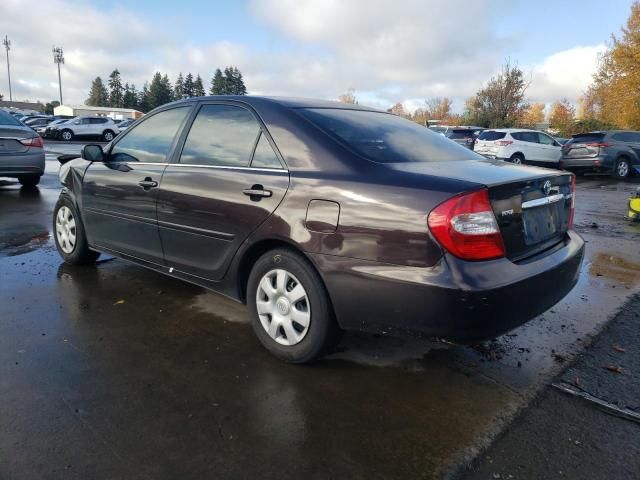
257,192
147,183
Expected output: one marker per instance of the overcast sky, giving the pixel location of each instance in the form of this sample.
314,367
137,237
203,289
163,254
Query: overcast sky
387,51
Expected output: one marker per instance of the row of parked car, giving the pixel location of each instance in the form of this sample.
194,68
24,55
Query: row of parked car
67,128
616,152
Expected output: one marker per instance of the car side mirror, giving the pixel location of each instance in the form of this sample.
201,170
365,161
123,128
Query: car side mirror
92,153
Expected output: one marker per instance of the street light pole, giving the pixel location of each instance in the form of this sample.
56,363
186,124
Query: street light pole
58,58
7,45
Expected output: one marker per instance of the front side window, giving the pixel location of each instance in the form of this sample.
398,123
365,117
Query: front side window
546,139
151,140
221,135
385,138
264,156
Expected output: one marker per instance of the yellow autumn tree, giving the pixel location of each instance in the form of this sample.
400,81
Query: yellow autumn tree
562,117
533,115
615,92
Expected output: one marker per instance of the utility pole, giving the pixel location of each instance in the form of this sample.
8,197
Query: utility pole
58,58
7,45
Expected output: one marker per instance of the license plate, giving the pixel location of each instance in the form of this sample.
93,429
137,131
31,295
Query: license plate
544,222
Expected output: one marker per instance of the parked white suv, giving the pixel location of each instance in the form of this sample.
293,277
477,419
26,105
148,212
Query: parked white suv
87,126
520,146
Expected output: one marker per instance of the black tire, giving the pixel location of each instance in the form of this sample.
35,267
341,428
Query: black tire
66,133
622,168
517,158
80,254
323,331
108,135
29,180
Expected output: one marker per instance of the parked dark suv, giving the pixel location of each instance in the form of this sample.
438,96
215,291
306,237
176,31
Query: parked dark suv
322,216
465,136
616,152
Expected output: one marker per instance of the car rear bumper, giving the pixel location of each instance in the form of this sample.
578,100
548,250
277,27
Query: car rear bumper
459,301
28,163
585,163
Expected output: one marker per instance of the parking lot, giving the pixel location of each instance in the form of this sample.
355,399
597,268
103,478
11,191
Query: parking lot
122,371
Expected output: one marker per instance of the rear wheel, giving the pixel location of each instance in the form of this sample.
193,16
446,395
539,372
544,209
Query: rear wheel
108,135
517,158
70,238
622,168
29,180
290,309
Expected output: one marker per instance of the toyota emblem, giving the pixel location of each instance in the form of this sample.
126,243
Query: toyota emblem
546,187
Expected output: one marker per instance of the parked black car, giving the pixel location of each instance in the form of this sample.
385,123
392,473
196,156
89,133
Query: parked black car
616,152
323,216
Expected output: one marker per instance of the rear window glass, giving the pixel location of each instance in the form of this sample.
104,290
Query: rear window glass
460,134
586,137
6,119
385,138
491,135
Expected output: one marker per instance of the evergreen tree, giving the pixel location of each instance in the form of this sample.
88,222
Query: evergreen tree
198,87
233,82
116,91
144,102
179,87
98,95
130,97
160,91
188,86
217,83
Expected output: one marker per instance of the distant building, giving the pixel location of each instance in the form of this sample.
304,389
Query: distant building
86,110
24,107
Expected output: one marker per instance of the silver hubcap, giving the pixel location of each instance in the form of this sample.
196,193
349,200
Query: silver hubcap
517,160
66,229
623,169
283,307
66,135
108,136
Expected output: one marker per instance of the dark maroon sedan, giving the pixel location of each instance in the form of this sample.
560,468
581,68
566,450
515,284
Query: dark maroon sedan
323,216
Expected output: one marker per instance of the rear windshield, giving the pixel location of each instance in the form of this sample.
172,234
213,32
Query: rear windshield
491,135
460,134
586,138
385,138
6,119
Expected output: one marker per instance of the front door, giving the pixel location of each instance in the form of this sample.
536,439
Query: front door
226,182
119,195
550,150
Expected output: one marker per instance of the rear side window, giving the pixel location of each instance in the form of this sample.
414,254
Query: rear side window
385,138
629,137
491,135
531,137
460,134
264,156
151,140
221,135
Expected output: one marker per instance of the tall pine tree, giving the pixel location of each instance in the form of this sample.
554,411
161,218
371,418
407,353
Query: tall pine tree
130,97
144,100
188,86
98,95
217,83
198,87
179,87
116,90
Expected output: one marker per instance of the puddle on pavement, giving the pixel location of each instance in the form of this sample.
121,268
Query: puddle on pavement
221,307
21,244
616,268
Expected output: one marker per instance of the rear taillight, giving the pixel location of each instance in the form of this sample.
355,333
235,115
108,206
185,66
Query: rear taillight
32,142
598,144
573,200
466,227
503,143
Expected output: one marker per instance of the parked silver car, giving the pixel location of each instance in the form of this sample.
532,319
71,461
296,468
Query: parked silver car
21,151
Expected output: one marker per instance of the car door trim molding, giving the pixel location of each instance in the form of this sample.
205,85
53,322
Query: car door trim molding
227,237
231,167
126,216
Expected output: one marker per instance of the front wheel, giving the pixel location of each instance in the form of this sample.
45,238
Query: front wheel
622,169
290,309
66,135
70,238
108,135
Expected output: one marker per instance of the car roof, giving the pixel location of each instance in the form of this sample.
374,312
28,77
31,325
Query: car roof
290,102
511,130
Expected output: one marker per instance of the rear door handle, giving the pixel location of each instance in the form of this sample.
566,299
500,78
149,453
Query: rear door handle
256,192
148,183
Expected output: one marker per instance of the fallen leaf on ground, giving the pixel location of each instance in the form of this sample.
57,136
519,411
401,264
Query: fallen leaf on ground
619,349
119,302
577,381
614,368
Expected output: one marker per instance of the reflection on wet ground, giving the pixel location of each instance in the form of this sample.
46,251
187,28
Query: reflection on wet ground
114,371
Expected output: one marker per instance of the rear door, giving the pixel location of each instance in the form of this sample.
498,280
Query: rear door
119,195
224,183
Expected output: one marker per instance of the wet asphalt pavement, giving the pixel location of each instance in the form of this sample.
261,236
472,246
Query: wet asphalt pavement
115,371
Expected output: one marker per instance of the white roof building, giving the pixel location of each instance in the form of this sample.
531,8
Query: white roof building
86,110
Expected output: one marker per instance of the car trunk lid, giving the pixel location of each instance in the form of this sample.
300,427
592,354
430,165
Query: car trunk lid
532,205
584,145
10,139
